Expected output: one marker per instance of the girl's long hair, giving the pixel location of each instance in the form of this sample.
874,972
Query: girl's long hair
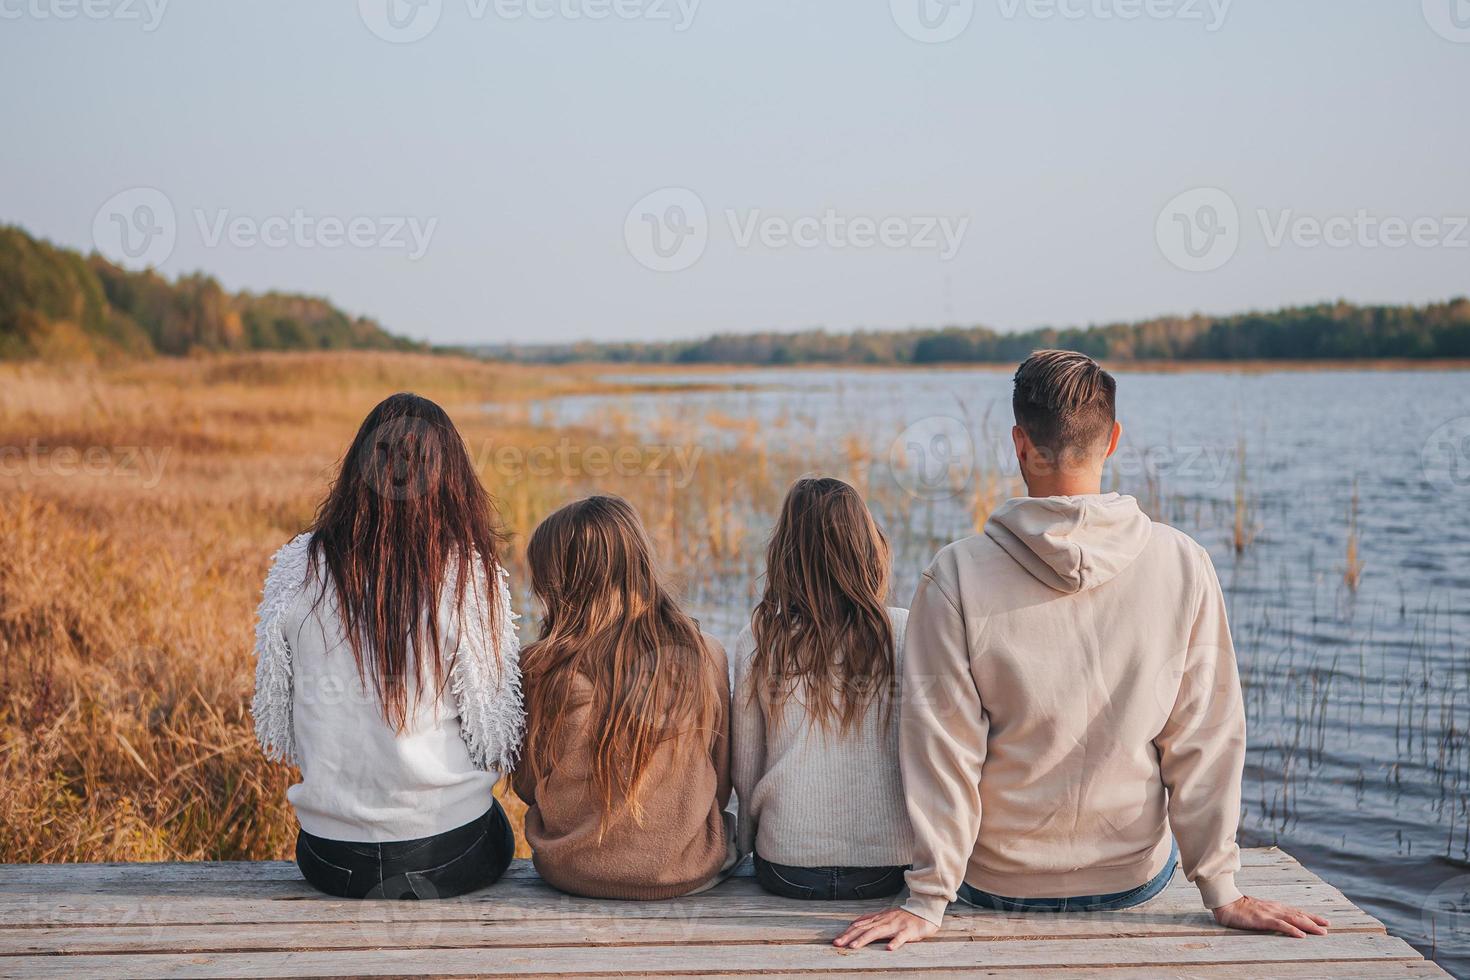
821,629
610,621
405,515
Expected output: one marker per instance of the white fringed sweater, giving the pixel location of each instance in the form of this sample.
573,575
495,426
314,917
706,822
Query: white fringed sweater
360,780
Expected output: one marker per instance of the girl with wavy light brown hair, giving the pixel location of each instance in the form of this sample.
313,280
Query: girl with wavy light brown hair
815,723
626,768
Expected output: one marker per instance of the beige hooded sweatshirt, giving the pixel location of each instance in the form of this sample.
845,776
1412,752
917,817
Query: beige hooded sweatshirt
1070,697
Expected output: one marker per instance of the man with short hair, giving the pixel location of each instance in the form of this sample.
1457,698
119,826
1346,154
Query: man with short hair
1071,706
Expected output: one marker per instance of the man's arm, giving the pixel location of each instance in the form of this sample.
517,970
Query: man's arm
1202,758
941,750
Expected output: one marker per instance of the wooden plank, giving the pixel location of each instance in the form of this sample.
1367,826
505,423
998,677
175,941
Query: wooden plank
296,888
1365,970
1245,953
18,877
523,901
379,926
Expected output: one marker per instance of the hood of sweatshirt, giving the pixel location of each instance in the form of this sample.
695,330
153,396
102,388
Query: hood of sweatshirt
1071,543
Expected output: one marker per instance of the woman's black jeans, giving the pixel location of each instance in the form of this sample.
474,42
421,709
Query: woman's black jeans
443,866
828,884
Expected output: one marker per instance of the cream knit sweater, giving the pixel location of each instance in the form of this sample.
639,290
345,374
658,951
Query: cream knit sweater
812,798
1070,698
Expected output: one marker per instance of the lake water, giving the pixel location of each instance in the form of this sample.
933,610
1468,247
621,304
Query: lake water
1358,697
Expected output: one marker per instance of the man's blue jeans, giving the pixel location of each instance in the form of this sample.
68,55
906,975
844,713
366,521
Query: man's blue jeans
1081,903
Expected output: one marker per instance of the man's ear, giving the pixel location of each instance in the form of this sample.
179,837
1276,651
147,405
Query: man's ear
1113,442
1023,444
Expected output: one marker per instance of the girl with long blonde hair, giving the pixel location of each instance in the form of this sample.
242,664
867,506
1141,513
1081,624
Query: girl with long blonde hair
626,766
814,712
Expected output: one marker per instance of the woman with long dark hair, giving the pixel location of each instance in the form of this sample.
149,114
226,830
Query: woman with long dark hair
814,714
388,668
627,765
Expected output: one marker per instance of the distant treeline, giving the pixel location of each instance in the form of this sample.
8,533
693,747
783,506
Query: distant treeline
1339,331
56,303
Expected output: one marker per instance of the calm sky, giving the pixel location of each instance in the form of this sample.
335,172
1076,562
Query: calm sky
539,170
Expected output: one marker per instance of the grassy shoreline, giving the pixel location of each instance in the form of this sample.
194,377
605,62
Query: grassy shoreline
139,506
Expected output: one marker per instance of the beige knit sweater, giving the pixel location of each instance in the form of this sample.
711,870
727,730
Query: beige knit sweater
1070,696
684,840
813,798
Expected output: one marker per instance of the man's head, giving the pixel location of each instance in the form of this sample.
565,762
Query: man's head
1066,424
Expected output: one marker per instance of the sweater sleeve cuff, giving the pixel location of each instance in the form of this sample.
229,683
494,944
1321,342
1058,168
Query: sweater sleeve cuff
930,908
1219,890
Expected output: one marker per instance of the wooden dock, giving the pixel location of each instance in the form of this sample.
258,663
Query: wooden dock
262,920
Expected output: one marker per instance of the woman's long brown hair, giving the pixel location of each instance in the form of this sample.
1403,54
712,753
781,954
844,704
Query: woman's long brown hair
821,629
405,515
610,621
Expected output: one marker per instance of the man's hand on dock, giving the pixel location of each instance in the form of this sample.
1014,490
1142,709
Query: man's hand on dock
1259,915
895,925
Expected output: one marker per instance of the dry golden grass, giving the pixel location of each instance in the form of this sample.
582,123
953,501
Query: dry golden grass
139,507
